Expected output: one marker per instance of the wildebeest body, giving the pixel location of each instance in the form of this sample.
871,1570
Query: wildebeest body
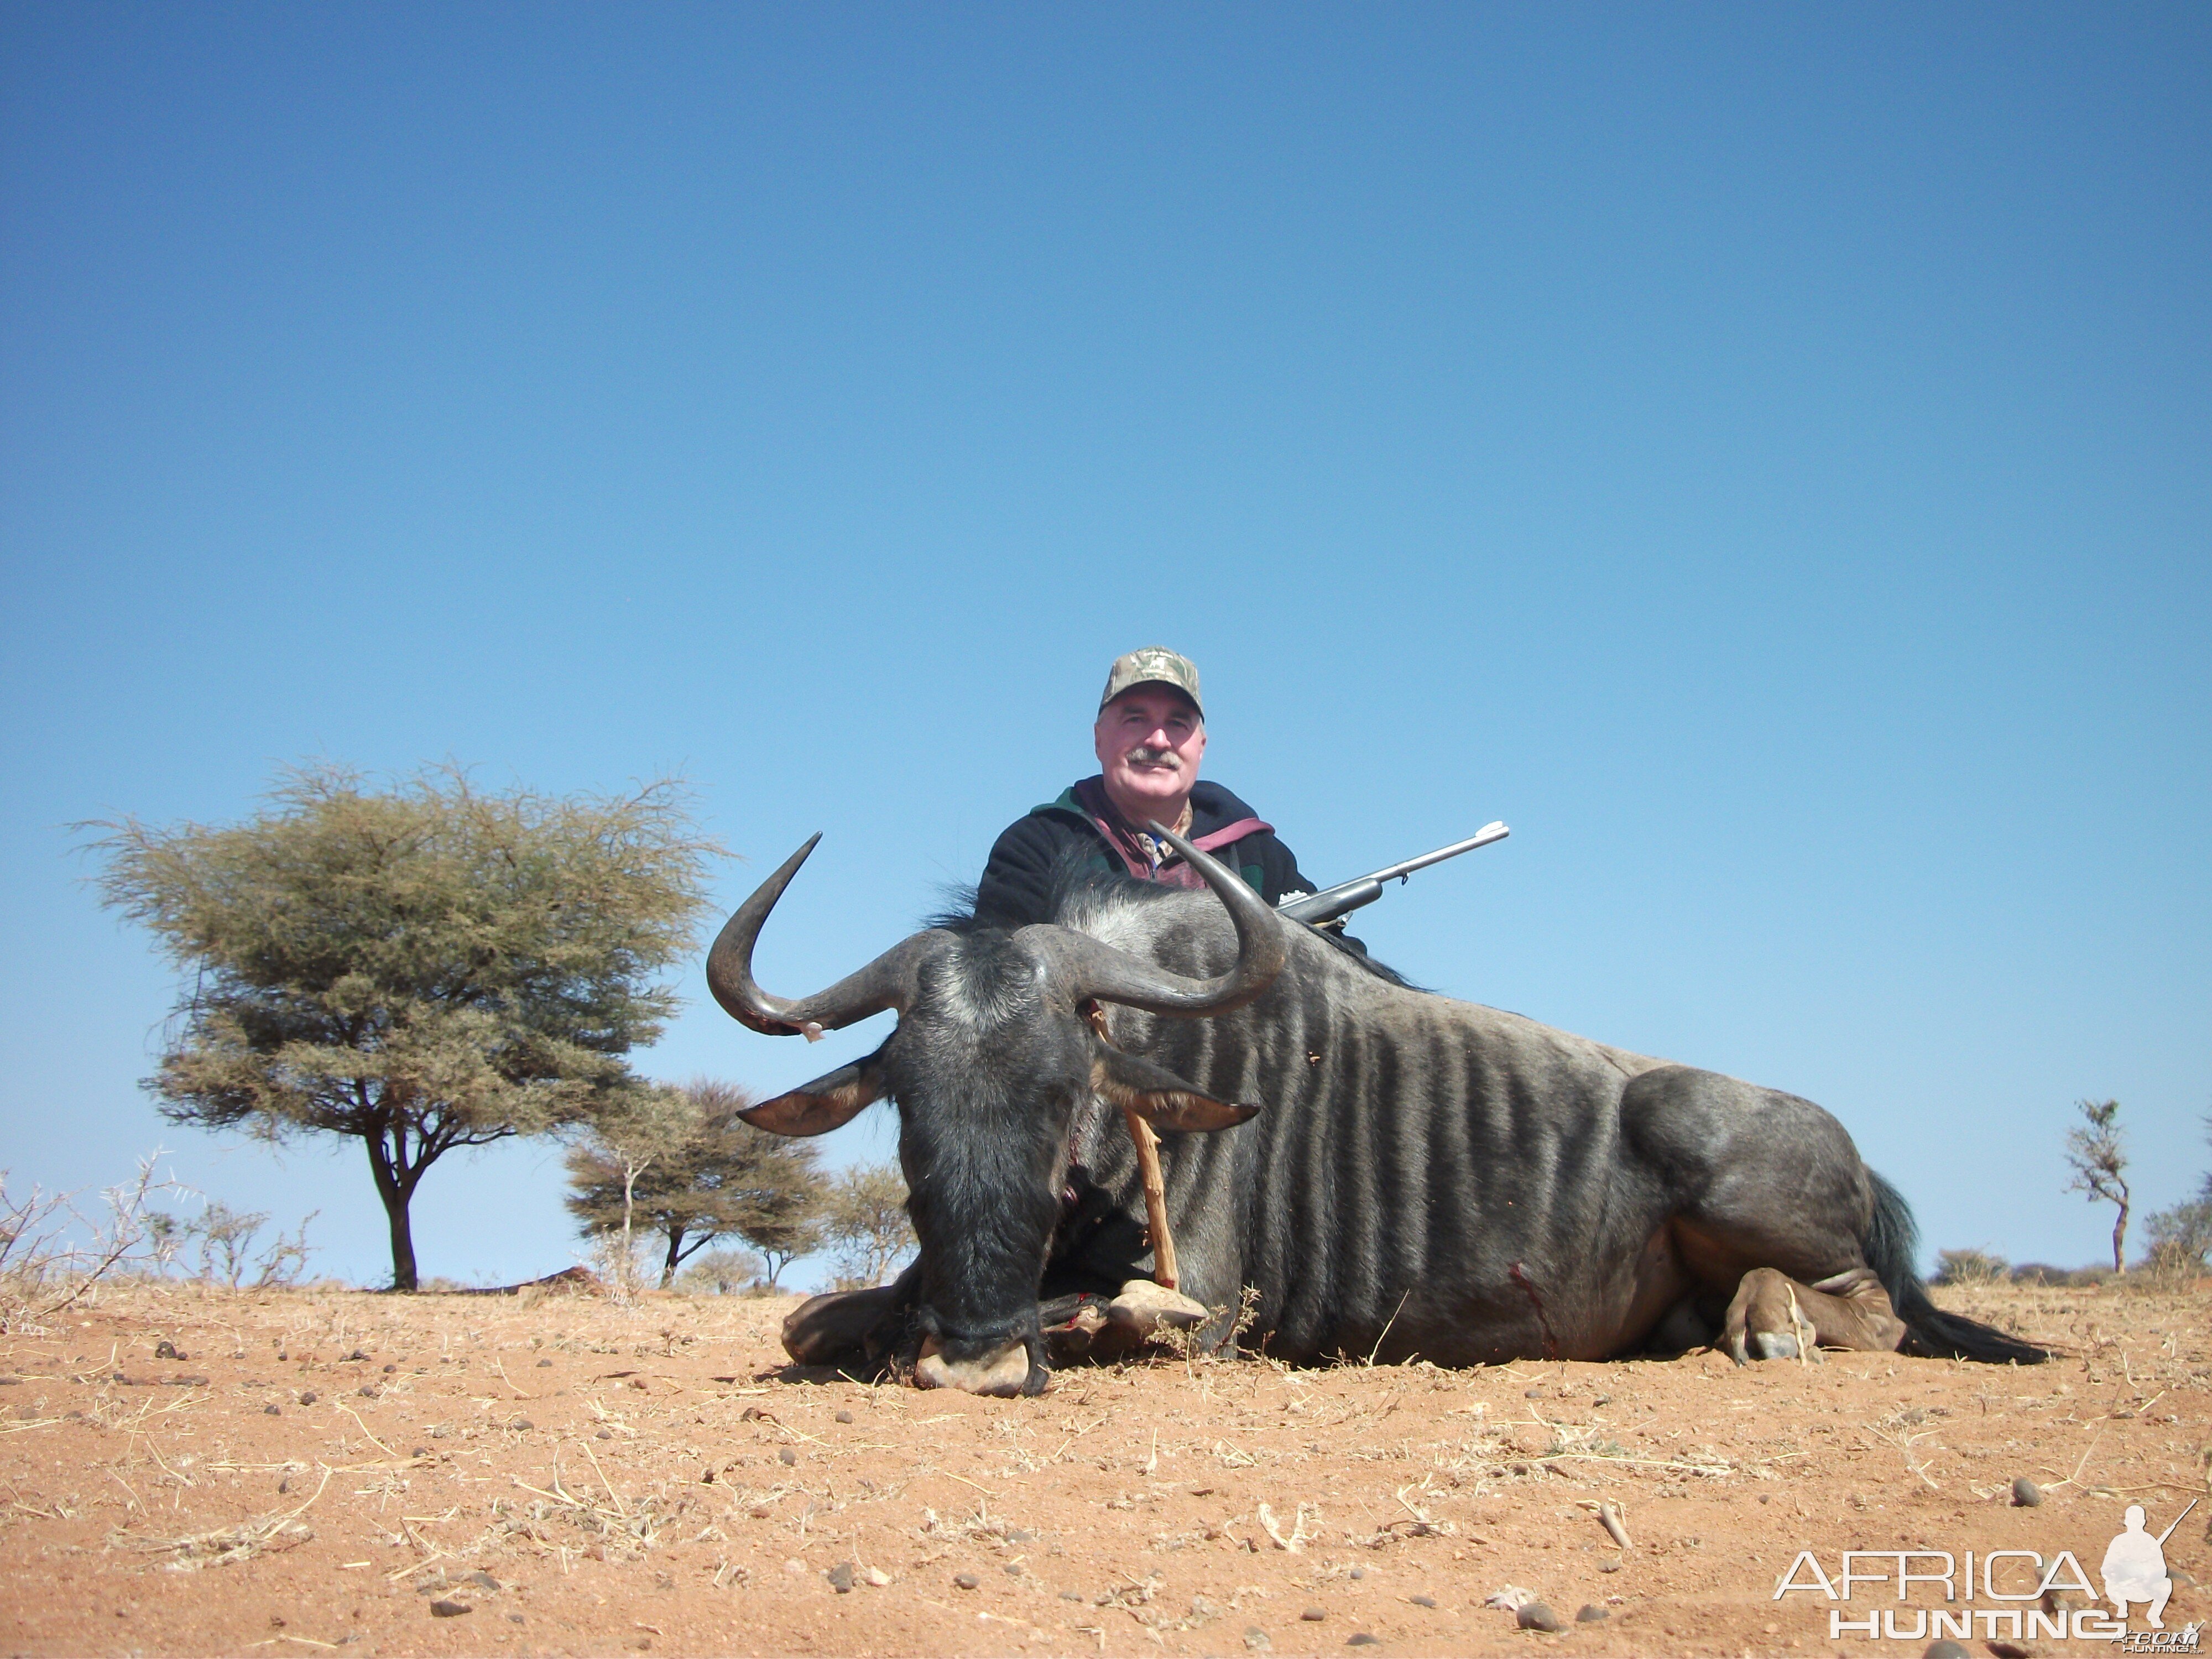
1429,1176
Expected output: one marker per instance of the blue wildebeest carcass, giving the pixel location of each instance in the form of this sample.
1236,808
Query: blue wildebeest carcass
1391,1172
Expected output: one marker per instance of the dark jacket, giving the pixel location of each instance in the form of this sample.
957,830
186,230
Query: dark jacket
1016,884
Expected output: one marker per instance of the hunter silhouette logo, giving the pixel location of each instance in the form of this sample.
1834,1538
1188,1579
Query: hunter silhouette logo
2133,1569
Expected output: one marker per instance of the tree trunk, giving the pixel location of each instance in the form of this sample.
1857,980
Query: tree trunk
395,1193
2120,1239
675,1255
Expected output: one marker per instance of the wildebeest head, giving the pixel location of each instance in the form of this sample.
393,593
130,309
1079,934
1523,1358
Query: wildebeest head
992,1055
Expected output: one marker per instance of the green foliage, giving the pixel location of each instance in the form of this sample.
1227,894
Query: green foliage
422,967
689,1168
865,1222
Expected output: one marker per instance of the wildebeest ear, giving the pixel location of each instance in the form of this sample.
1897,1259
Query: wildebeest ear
1159,1097
819,1107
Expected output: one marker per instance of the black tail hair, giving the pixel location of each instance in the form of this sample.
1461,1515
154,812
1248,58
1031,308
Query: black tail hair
1893,1243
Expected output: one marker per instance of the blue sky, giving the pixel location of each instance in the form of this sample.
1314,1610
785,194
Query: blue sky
1761,455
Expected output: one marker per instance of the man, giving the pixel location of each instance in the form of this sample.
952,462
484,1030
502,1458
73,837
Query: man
1149,738
2135,1569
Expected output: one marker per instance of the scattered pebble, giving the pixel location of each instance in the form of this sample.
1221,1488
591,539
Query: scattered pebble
521,1423
604,1434
1536,1616
841,1577
514,1619
2026,1494
1014,1568
444,1609
271,1411
1313,1615
1600,1400
796,1569
368,1391
787,1456
308,1398
544,1364
1532,1393
483,1580
356,1354
420,1451
880,1579
844,1417
1257,1639
165,1349
1361,1638
1590,1613
1512,1598
1071,1595
1359,1572
1944,1648
1608,1567
966,1580
1422,1600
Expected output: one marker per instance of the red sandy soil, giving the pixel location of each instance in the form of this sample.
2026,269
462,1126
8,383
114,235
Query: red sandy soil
315,1471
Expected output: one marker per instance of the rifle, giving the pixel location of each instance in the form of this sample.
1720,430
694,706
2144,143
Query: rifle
1322,908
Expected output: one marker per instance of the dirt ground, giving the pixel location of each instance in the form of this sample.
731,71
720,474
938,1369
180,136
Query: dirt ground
189,1471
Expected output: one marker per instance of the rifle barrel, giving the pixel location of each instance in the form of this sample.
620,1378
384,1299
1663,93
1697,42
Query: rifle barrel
1346,897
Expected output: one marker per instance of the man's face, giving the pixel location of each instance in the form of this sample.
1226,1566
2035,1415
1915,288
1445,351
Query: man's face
1149,740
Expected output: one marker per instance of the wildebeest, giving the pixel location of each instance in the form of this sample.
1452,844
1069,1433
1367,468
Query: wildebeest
1392,1173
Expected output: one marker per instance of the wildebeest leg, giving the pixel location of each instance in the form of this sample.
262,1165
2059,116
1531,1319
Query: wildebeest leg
1776,1317
1774,1212
835,1327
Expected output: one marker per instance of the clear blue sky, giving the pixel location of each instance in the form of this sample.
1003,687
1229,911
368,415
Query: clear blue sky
1759,453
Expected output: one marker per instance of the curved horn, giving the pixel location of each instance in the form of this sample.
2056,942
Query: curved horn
886,982
1090,968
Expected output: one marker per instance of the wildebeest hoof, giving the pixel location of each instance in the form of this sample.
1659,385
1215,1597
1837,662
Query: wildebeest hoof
836,1325
1146,1308
1775,1345
1002,1375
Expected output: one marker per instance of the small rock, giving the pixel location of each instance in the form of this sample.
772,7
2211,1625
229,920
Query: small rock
1532,1393
844,1417
514,1619
880,1579
444,1608
1014,1568
1512,1598
2004,1650
1422,1600
271,1411
1608,1567
1944,1648
368,1391
1021,1535
1600,1400
356,1354
483,1580
1536,1616
1313,1615
1590,1613
165,1349
796,1569
787,1457
388,1370
420,1451
1359,1572
1071,1595
966,1580
604,1434
285,1484
841,1577
1361,1638
308,1398
544,1364
521,1425
1203,1610
1257,1639
2026,1494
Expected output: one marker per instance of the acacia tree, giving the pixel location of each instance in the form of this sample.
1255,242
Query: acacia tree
866,1219
420,967
715,1176
2100,1166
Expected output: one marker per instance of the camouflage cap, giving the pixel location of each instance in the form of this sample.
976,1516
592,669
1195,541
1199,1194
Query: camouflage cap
1153,664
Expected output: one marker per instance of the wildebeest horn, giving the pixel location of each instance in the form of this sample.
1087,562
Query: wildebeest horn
1090,968
886,982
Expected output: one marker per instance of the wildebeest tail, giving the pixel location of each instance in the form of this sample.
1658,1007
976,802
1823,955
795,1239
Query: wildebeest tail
1892,1244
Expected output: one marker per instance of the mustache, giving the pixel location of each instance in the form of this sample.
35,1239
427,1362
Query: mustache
1144,754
